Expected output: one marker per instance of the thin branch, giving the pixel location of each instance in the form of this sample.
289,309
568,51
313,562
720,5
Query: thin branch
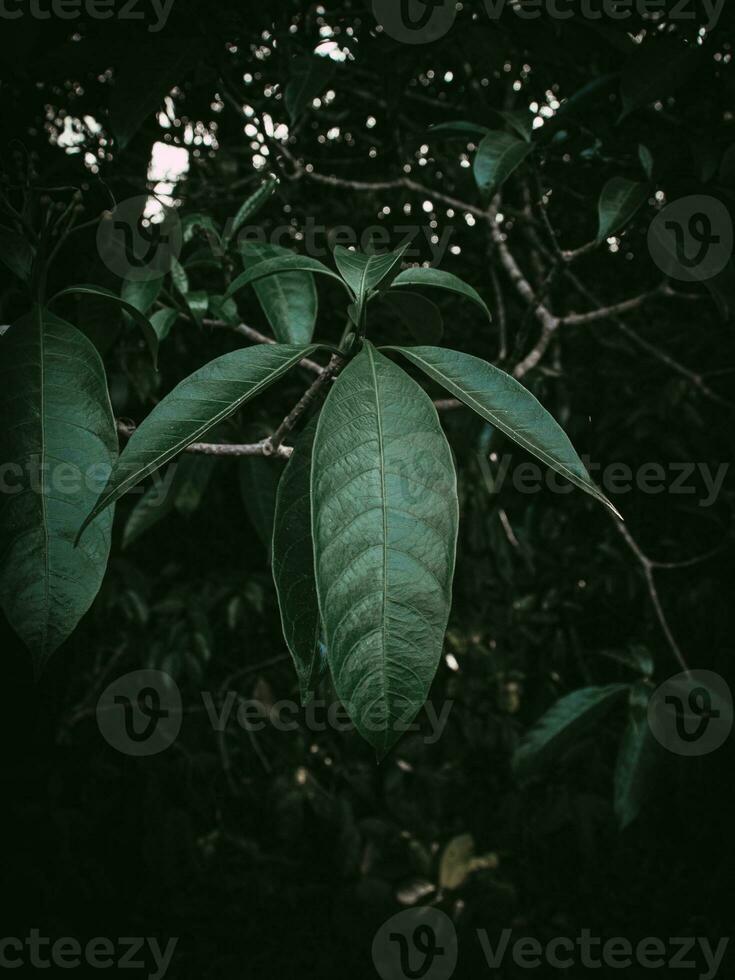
310,396
262,448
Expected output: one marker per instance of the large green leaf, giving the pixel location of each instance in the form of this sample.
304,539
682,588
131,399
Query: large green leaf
289,300
619,201
196,405
293,564
59,434
636,758
565,720
271,267
657,69
309,77
384,520
436,279
504,402
498,155
250,207
99,292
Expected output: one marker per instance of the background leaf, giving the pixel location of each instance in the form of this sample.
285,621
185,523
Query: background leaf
437,279
636,758
288,299
497,157
310,75
619,201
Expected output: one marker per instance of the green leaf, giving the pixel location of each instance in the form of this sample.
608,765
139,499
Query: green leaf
197,303
251,206
459,129
562,724
149,334
144,78
422,317
162,321
646,158
59,433
636,758
436,279
179,277
520,120
196,405
182,489
364,273
271,267
142,295
497,157
259,478
293,564
309,77
655,70
155,504
455,864
289,300
505,403
619,201
16,253
191,480
384,523
192,224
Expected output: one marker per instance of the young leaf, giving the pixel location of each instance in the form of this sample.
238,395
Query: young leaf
364,273
422,317
636,758
293,564
384,523
552,735
59,430
435,278
251,206
289,300
310,75
497,157
196,405
504,402
619,201
271,267
149,334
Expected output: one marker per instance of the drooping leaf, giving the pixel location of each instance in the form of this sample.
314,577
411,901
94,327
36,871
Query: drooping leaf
619,201
293,564
59,432
16,253
636,758
422,317
655,70
364,273
196,405
251,206
436,279
162,321
504,402
289,299
497,157
141,294
149,334
384,522
259,478
565,720
309,77
271,267
143,80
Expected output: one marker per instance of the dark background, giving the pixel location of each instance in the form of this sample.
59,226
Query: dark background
287,862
